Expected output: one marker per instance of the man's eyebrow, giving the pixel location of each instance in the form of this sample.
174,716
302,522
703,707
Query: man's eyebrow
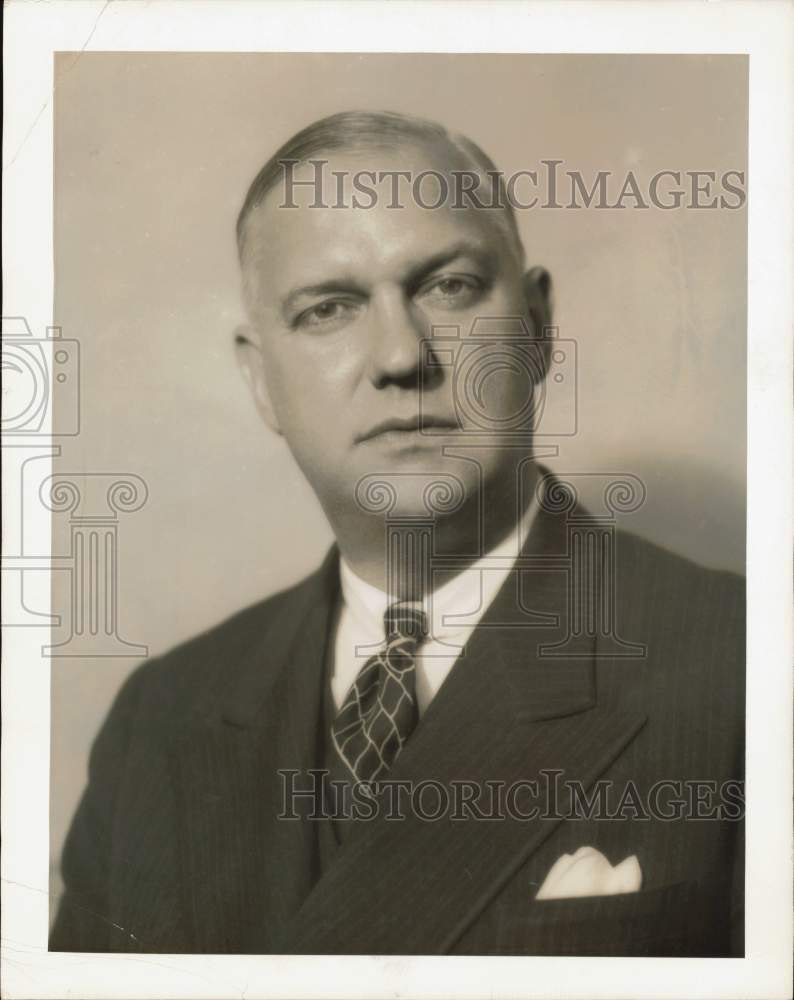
335,286
331,287
484,256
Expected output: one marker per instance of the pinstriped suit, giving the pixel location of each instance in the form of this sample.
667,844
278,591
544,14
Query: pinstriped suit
176,845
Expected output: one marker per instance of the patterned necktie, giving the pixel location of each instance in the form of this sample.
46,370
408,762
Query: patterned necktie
380,712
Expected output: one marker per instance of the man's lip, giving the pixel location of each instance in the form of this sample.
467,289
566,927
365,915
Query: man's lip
406,424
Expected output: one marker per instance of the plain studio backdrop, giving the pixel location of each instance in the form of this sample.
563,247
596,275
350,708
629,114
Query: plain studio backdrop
153,156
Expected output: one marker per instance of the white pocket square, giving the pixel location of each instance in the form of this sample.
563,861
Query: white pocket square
588,873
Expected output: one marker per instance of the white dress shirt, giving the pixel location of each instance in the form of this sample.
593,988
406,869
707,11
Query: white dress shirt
453,611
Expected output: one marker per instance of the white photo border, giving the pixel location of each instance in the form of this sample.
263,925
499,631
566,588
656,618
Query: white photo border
763,31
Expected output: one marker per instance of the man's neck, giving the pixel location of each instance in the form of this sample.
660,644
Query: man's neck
403,559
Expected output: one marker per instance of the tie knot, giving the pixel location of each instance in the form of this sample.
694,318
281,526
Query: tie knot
405,620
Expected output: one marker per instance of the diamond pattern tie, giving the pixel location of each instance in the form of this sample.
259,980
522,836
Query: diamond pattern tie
380,712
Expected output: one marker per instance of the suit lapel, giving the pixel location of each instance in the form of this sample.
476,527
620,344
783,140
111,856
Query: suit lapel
505,714
239,860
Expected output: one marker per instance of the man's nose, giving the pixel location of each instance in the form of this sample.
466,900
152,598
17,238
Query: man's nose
396,333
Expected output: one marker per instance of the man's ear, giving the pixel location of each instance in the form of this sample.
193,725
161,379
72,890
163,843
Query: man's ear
252,366
538,297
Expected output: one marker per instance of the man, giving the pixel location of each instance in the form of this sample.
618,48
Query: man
490,723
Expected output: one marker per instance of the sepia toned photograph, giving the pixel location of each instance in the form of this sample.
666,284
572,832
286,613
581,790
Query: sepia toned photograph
427,374
394,529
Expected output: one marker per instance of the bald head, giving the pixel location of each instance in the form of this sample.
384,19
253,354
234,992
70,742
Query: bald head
377,131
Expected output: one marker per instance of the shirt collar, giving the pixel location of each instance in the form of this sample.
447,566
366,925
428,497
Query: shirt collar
465,597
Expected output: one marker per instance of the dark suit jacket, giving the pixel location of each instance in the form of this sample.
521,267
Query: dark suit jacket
176,845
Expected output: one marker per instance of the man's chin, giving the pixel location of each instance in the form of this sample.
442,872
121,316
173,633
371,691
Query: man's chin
421,483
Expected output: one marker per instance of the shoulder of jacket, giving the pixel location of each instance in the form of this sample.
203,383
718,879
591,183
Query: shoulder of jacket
637,556
202,660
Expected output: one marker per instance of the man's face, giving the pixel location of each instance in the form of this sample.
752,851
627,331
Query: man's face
342,300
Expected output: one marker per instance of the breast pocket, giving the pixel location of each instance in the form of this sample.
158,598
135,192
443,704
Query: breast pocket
675,920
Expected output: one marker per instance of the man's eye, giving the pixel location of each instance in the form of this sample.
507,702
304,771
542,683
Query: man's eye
331,312
455,291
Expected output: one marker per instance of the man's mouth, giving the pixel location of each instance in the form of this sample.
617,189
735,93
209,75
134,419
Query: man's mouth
407,427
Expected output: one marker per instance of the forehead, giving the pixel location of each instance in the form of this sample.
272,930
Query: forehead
291,246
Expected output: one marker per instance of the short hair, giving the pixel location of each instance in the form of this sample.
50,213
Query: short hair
357,130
